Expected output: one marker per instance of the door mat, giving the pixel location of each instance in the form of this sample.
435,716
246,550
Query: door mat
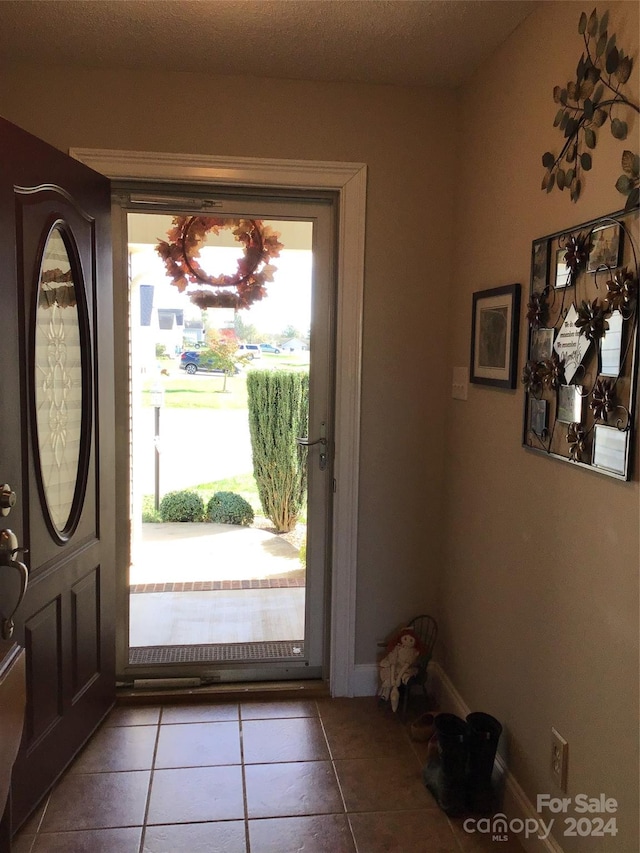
219,652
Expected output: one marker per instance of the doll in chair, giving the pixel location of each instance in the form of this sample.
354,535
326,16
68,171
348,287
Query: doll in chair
398,665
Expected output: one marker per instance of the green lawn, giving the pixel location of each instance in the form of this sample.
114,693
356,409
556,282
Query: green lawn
287,361
204,391
201,392
243,485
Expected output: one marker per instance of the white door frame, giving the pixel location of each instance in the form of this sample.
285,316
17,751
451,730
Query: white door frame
349,181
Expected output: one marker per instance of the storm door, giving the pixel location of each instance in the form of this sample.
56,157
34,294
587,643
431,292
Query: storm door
236,589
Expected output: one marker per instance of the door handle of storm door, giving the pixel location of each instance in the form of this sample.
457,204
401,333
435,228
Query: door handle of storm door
311,442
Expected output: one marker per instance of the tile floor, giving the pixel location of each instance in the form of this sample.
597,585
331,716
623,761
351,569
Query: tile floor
325,776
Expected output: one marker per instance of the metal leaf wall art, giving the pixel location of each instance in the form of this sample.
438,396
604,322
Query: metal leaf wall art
595,98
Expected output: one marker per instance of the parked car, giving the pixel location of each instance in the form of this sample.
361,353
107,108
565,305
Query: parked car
250,350
205,361
269,348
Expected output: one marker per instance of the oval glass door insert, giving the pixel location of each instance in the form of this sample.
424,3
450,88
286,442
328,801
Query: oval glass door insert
58,382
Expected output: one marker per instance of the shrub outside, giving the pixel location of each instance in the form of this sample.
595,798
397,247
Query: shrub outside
182,506
229,508
278,414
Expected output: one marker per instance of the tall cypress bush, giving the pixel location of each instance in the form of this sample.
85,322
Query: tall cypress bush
278,413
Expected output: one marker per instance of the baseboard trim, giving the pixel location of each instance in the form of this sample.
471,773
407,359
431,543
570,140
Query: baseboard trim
365,679
515,803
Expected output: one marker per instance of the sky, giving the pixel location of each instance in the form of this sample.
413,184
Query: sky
288,300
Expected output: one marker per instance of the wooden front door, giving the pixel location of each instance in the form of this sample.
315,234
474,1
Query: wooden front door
56,447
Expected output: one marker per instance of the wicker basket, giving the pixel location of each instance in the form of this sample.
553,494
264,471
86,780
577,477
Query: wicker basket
422,728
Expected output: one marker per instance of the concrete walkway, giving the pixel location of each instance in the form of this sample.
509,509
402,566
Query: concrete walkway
183,578
232,616
201,551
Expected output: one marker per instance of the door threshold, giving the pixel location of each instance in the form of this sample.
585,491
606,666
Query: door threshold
257,691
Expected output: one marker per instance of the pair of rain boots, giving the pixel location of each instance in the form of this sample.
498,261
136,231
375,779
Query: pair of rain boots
460,763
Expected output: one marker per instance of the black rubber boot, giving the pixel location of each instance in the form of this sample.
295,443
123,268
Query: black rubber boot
444,772
484,734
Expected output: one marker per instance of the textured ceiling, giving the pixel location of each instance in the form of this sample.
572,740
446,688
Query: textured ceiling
381,41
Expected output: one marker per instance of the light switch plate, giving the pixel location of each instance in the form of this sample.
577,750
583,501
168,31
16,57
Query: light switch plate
460,384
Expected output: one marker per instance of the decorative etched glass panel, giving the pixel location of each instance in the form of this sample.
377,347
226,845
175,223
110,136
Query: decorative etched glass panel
58,380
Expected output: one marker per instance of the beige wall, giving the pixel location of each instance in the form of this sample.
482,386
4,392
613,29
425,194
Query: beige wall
538,600
538,564
404,137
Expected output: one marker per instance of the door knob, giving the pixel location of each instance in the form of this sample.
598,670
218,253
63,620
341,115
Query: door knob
8,550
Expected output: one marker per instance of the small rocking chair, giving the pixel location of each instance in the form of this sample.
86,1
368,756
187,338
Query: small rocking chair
426,628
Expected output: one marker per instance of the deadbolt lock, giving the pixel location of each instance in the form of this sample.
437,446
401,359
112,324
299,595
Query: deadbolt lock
7,499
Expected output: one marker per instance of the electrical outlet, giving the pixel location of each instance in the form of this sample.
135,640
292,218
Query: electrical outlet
559,758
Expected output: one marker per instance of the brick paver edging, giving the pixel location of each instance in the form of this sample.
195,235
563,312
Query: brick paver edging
217,586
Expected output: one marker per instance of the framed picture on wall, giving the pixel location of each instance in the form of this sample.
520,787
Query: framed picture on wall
539,265
494,336
538,416
562,271
580,398
541,344
570,401
610,448
611,346
606,247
